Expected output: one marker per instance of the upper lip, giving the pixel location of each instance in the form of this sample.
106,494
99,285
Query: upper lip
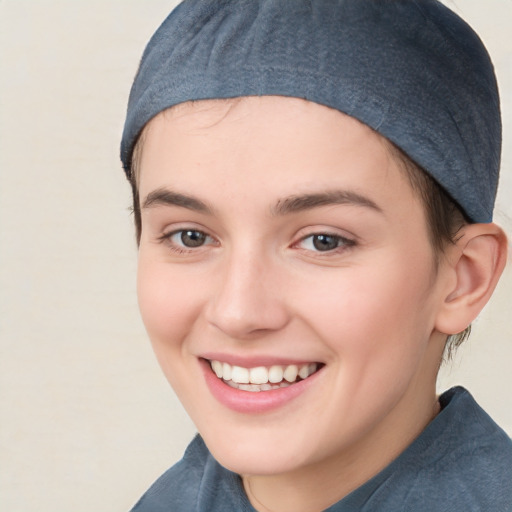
255,361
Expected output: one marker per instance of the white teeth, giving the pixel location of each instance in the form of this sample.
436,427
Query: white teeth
249,387
226,372
239,375
304,371
217,368
291,372
258,375
275,374
308,369
255,388
261,378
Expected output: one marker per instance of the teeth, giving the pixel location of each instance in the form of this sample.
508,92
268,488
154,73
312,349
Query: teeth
261,378
238,374
249,387
217,368
258,375
256,387
290,373
275,374
227,372
304,371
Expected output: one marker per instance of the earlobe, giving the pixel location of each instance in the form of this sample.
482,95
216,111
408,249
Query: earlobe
475,264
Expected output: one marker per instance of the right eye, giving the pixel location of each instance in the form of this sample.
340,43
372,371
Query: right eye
183,240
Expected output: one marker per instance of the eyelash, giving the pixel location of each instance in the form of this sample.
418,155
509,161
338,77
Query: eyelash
341,243
183,249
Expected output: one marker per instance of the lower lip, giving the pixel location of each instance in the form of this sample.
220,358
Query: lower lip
253,402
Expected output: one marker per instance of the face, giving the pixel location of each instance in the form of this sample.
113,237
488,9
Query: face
286,281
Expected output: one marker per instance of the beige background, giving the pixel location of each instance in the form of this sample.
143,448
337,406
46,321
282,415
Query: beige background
87,422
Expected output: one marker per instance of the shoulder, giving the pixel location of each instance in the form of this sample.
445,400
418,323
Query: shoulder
179,484
196,483
466,460
462,462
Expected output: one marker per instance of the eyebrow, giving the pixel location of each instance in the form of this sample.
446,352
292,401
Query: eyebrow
165,197
304,202
285,206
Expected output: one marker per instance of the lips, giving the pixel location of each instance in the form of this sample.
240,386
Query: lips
257,393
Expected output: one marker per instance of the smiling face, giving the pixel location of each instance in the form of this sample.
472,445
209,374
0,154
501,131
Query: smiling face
288,285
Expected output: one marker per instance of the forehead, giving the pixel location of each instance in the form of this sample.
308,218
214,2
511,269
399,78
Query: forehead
288,142
279,114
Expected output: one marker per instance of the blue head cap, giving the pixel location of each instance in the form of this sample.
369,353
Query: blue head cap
410,69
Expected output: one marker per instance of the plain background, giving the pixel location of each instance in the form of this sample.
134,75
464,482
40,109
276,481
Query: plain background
87,421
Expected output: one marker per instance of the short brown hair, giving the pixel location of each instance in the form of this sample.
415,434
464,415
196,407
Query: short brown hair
444,218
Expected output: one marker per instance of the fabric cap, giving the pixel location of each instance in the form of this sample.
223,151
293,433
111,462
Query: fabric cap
410,69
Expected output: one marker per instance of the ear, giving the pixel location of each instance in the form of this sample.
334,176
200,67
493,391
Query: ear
474,265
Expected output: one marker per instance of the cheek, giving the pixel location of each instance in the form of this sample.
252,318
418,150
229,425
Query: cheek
167,302
375,317
170,304
377,326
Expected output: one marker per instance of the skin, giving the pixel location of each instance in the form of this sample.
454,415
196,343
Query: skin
368,310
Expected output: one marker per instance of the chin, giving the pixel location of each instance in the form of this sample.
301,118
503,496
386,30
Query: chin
258,453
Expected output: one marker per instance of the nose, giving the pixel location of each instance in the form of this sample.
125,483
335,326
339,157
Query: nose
249,299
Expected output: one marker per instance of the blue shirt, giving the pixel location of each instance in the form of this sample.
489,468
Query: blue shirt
462,462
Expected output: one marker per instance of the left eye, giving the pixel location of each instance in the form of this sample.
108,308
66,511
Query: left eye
324,242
